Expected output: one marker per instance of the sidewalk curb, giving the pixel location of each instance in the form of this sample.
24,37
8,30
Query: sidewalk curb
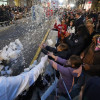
39,49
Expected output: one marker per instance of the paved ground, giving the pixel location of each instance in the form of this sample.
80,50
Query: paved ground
28,32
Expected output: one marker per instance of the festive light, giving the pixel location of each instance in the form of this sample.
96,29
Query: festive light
60,1
72,5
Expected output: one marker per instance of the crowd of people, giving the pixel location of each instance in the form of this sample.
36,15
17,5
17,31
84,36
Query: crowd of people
10,14
77,53
75,59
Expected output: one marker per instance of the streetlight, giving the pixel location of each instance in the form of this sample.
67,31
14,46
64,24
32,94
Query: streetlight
72,5
60,1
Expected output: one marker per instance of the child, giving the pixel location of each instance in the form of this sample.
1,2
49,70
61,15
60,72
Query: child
61,39
68,73
61,51
61,28
71,29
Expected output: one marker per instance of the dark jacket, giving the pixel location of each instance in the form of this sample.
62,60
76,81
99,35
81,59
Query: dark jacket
76,44
89,41
92,89
78,22
62,54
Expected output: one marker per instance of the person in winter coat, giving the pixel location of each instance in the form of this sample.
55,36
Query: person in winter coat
78,43
60,40
91,90
90,27
61,28
61,51
71,68
70,29
79,21
91,57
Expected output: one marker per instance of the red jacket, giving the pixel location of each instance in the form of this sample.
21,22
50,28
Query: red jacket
59,28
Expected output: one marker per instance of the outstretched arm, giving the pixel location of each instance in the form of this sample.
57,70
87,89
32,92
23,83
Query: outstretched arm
58,59
59,68
11,87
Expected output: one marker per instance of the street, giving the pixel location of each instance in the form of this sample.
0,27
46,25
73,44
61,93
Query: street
29,33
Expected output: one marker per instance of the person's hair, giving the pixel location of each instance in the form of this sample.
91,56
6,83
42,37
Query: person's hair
73,23
62,20
78,13
90,26
75,60
89,21
83,31
63,46
88,16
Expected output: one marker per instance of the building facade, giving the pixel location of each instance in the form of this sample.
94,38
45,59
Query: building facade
4,2
18,2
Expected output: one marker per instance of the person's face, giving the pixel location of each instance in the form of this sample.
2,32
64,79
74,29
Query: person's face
88,23
58,48
69,63
71,23
67,20
86,18
89,26
63,21
76,16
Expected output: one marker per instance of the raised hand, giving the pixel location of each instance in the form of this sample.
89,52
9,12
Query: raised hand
67,34
51,54
42,45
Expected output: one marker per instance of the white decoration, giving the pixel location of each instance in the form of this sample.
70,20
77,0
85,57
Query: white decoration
6,68
12,51
3,72
9,72
50,42
39,13
19,44
1,67
4,54
26,69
